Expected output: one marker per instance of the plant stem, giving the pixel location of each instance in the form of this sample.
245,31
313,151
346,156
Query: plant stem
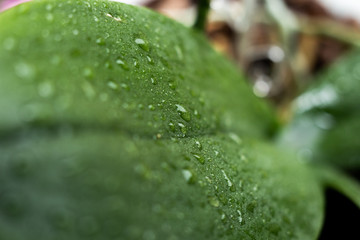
202,12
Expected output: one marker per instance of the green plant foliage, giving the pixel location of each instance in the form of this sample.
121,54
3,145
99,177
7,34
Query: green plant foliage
328,116
118,123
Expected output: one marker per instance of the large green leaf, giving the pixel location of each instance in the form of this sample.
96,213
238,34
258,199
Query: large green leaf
101,185
123,67
118,123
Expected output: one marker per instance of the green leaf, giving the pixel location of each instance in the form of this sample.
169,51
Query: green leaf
327,121
335,179
120,123
124,67
96,184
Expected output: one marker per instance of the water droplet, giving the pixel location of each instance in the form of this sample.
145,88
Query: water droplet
75,32
24,70
151,107
88,72
173,85
188,175
45,89
125,86
49,17
9,44
229,183
96,19
153,81
100,41
149,59
214,201
240,216
179,52
88,89
182,128
198,145
200,158
112,85
172,126
49,7
122,64
184,114
108,65
235,138
142,44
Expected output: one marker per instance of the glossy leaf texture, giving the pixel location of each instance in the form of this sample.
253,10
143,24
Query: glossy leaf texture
326,125
118,123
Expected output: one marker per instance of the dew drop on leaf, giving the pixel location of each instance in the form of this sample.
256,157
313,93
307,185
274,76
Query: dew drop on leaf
184,114
100,41
45,89
142,44
122,63
200,158
112,85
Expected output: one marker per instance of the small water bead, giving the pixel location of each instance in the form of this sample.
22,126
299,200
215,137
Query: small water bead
197,114
49,17
149,59
200,158
151,107
182,128
136,64
125,86
229,183
179,52
75,32
118,19
198,145
172,126
214,201
112,85
153,81
184,114
240,216
142,44
88,89
24,70
173,85
45,89
88,72
108,65
100,41
235,138
188,175
49,7
122,64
